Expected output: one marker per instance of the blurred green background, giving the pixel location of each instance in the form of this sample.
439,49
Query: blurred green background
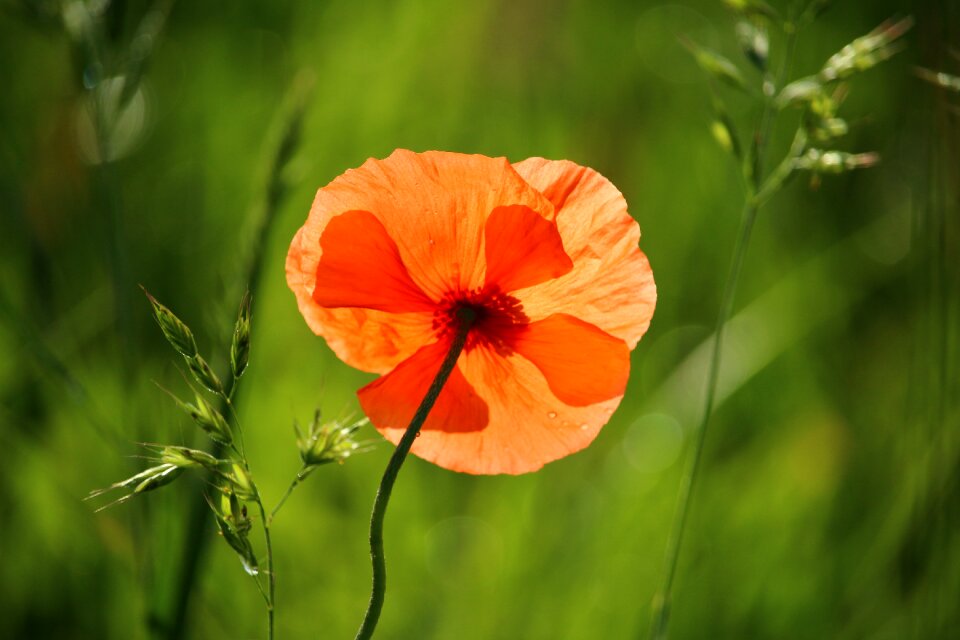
830,496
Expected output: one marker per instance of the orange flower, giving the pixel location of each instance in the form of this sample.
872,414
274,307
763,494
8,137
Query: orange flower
543,251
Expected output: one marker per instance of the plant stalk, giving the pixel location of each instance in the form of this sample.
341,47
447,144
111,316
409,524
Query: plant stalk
271,577
297,479
378,591
661,613
759,191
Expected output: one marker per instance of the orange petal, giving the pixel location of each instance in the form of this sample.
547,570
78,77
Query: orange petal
391,401
361,267
435,206
374,341
522,249
611,284
527,427
582,364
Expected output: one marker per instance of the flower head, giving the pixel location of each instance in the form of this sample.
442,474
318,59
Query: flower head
542,252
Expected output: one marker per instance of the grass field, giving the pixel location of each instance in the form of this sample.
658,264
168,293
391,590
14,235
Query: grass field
828,498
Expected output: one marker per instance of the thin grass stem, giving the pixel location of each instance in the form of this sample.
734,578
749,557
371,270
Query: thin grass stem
271,578
758,191
286,494
661,613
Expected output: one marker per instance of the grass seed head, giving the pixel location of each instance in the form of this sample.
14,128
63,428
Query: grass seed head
187,458
866,51
240,347
176,332
240,483
204,374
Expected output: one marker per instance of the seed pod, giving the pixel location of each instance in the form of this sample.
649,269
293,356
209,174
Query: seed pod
328,442
818,161
723,132
827,129
754,42
163,475
204,374
240,347
751,8
146,479
212,421
800,91
235,512
866,51
176,332
187,458
939,79
241,483
239,543
717,65
207,418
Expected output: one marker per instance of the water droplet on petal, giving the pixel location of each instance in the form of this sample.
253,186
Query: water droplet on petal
584,426
431,242
552,414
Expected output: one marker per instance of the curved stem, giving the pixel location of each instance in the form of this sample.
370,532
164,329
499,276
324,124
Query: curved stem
466,317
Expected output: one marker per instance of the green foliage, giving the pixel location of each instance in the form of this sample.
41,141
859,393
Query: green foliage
831,509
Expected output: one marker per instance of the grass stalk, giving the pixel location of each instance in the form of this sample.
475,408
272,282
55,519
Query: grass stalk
271,577
758,191
297,479
197,535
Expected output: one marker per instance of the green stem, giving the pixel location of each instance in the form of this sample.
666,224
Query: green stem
293,485
266,598
271,579
661,613
226,401
783,171
758,191
466,317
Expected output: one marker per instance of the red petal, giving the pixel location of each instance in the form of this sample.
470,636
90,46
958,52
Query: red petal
360,266
522,249
391,400
582,364
435,206
374,341
528,425
611,285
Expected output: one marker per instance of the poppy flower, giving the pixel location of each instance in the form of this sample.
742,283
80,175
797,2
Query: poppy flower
543,252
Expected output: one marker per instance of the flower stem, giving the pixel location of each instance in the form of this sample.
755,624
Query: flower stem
466,317
759,190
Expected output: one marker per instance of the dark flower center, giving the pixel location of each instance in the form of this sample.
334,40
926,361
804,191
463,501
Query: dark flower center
494,314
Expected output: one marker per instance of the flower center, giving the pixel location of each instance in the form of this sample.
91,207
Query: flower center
493,312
